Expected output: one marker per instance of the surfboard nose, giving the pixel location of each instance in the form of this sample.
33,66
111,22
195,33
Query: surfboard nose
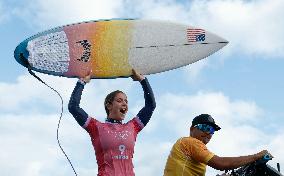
21,54
214,38
223,41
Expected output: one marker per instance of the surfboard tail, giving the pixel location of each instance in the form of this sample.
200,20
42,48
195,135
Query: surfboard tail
21,54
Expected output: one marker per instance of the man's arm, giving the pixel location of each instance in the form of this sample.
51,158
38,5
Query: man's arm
226,163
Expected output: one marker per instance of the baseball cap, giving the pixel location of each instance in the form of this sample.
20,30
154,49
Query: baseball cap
205,119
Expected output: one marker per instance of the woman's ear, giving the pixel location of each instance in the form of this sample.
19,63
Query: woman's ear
108,106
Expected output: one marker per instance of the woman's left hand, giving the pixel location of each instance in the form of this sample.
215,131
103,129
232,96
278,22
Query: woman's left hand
137,76
87,78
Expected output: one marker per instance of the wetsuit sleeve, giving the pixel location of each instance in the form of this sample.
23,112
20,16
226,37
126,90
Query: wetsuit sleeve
146,112
74,104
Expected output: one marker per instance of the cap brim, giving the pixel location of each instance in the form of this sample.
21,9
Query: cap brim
215,126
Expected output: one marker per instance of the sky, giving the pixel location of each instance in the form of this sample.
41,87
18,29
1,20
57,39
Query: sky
240,86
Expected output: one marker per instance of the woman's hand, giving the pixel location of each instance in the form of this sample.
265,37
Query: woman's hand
87,78
137,76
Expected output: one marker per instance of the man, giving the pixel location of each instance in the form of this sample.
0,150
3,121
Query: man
189,155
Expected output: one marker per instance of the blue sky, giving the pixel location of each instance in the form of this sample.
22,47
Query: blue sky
241,86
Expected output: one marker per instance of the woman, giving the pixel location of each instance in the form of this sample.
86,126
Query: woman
113,140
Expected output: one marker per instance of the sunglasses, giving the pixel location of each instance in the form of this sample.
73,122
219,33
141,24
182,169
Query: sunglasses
205,128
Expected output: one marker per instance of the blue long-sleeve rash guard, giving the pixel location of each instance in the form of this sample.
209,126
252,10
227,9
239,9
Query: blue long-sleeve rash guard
81,116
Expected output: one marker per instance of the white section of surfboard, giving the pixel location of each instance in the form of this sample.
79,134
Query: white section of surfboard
163,46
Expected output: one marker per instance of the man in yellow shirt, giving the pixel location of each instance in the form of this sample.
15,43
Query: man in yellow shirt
189,155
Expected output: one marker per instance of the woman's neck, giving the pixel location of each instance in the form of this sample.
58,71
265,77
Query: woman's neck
110,120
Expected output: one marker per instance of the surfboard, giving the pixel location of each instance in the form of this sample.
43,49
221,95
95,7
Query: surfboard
111,48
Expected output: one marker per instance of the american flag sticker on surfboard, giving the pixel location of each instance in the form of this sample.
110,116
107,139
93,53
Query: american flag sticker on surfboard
195,35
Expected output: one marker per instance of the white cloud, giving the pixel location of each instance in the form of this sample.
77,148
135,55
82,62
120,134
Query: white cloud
150,157
28,91
192,73
61,12
29,145
218,105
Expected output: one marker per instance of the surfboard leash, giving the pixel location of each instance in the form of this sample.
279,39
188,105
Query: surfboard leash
61,113
60,118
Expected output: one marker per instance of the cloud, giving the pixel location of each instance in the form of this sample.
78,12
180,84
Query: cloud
192,73
60,12
29,146
218,105
26,92
150,157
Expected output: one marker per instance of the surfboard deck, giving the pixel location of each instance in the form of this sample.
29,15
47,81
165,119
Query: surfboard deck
111,48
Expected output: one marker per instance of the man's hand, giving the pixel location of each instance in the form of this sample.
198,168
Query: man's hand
263,153
224,174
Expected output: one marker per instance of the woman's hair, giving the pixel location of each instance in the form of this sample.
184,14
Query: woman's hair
109,99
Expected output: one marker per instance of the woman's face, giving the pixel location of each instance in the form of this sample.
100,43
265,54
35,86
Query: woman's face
118,107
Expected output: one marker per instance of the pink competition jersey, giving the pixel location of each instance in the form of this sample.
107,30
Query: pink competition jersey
114,145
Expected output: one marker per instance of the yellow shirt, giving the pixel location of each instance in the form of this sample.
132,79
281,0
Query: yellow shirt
188,157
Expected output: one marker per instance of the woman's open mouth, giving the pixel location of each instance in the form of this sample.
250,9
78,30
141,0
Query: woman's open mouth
123,110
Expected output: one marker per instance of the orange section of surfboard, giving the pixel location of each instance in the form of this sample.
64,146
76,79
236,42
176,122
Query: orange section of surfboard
102,38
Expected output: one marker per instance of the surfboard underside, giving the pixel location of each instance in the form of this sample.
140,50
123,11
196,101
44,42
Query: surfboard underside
112,48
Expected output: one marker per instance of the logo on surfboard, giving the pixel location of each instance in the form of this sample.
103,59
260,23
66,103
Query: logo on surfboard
87,50
195,35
